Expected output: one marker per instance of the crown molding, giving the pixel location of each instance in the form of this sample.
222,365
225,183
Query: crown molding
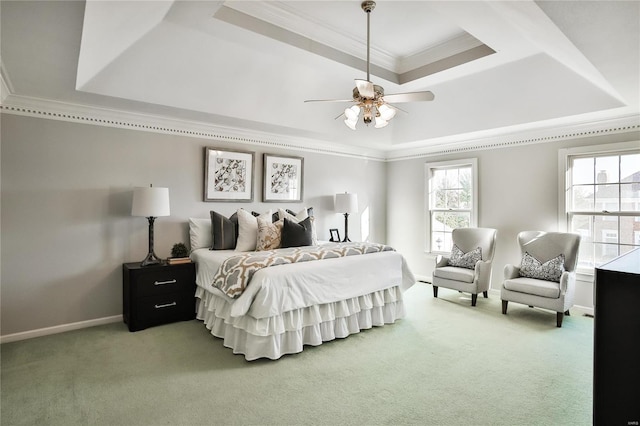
537,133
459,44
63,111
544,132
284,16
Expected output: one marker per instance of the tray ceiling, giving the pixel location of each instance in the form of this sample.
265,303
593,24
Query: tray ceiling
494,67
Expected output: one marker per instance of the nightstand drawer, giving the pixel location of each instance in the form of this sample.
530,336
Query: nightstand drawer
163,280
163,309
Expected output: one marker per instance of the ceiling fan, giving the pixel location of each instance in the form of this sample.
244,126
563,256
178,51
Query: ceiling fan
370,98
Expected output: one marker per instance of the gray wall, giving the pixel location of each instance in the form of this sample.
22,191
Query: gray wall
518,190
66,200
66,203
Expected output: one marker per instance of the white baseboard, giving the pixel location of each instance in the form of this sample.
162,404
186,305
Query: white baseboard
423,278
58,329
582,310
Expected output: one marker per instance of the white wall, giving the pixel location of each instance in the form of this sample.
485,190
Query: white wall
518,190
66,210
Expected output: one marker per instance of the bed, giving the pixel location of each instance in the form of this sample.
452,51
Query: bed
284,307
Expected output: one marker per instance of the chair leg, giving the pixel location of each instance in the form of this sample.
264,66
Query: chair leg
435,291
567,313
559,318
504,307
485,294
474,299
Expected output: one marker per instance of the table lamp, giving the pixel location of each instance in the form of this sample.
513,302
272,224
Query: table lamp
151,203
346,203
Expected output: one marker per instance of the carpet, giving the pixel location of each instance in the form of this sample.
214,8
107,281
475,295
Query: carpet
446,363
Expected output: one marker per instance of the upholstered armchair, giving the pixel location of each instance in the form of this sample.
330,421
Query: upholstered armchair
468,267
546,275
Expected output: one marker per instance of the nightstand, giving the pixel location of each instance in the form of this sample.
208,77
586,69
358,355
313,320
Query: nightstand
159,294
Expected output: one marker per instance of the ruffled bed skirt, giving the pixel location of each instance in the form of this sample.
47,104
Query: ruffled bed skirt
287,333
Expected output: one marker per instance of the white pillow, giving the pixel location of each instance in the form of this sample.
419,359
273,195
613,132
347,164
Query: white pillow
299,217
248,229
200,233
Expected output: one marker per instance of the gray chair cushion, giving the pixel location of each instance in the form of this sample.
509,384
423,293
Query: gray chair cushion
455,274
535,287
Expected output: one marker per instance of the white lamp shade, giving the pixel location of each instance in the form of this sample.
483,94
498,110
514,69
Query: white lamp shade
352,113
380,123
346,203
350,124
150,202
386,112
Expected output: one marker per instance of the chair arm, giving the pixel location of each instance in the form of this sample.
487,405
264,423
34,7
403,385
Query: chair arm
483,270
567,281
511,271
441,261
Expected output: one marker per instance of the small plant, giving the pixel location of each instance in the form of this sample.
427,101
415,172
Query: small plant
179,250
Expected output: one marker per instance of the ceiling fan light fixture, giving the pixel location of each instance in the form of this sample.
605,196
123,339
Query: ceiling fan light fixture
367,116
351,123
352,112
386,112
370,97
380,123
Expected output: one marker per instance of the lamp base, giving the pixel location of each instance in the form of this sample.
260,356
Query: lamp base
151,259
346,228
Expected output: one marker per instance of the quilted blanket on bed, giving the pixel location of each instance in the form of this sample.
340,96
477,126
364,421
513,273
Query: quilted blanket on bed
236,272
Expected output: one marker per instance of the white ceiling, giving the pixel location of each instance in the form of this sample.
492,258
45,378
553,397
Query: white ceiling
494,67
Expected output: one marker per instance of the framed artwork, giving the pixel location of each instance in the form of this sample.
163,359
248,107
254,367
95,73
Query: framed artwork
335,235
282,178
228,175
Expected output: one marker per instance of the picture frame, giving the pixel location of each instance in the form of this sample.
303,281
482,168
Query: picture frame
335,235
228,175
283,178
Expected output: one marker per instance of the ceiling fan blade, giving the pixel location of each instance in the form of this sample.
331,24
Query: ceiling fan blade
365,88
329,100
409,97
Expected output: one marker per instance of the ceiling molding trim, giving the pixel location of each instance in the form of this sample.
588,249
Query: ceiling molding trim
284,16
619,125
461,43
258,26
76,113
61,111
449,62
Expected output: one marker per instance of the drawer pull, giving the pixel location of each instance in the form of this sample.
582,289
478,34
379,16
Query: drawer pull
165,282
166,305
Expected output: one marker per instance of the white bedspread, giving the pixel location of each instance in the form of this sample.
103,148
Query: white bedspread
283,288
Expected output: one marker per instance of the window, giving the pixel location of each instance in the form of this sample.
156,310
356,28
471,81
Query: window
451,201
602,201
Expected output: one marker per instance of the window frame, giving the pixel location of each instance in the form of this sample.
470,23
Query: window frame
428,174
565,212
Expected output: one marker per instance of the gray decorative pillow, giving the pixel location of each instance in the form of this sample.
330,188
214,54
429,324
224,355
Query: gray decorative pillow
224,232
465,260
551,270
296,234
